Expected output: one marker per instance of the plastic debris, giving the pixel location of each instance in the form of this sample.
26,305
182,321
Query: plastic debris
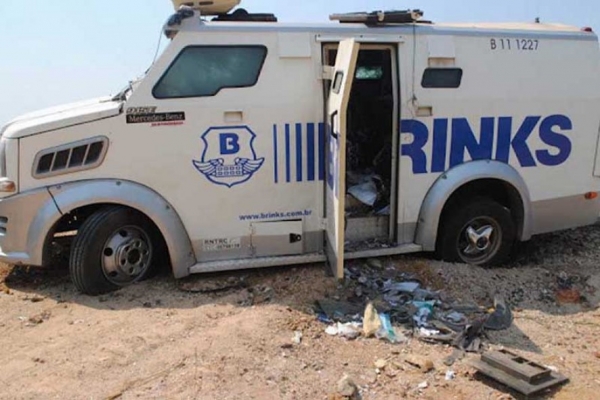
322,317
365,192
428,332
423,385
387,330
422,316
371,321
349,330
450,375
397,287
501,318
332,330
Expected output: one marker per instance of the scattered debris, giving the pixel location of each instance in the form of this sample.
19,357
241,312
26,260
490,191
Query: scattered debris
349,330
518,373
406,303
297,339
552,368
341,311
568,296
371,321
456,355
450,375
501,318
388,332
332,330
375,263
366,192
346,387
38,319
423,385
424,364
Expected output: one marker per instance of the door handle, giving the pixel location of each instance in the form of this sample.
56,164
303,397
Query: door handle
331,124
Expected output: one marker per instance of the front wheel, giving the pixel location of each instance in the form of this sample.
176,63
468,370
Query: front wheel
481,232
115,247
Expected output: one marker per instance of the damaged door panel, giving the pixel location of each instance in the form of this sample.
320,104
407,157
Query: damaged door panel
337,120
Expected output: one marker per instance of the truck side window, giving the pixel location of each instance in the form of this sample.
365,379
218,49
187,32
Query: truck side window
202,71
442,78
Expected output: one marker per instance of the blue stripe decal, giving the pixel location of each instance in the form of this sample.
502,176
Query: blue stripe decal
310,151
298,152
321,151
276,154
288,159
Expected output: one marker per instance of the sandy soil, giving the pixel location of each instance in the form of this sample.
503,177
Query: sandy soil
160,339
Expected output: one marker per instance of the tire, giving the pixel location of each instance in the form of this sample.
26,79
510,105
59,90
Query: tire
115,247
465,234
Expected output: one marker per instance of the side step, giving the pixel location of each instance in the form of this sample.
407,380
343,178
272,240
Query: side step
251,263
389,251
266,262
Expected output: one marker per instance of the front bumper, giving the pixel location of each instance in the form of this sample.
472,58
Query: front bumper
23,226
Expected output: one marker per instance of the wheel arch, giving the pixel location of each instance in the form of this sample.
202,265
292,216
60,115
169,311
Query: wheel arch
90,195
470,178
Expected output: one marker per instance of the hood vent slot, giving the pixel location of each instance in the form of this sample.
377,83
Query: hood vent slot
69,158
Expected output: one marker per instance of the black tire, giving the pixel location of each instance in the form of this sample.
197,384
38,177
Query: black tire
92,252
455,244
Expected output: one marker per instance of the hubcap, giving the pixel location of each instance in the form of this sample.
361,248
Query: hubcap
479,240
127,255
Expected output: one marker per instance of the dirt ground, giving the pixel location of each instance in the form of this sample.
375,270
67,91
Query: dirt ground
164,339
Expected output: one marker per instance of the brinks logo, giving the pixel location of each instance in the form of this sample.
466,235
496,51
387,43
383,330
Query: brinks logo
229,158
498,138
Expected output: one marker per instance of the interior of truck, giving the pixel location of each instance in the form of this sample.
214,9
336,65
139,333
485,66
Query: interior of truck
370,172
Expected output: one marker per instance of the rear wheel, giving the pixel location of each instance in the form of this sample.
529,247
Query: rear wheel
115,247
481,232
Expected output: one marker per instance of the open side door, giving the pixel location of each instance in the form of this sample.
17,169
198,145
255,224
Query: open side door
337,121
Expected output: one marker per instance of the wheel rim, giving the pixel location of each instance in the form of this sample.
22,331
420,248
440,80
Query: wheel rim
479,240
126,255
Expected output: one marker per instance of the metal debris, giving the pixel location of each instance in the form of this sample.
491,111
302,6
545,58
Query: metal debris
518,373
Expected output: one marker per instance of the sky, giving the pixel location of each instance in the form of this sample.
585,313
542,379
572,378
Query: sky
59,51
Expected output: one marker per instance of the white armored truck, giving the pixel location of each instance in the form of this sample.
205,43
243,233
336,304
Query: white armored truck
251,143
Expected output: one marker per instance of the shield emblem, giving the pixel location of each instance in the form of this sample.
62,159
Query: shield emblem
229,158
